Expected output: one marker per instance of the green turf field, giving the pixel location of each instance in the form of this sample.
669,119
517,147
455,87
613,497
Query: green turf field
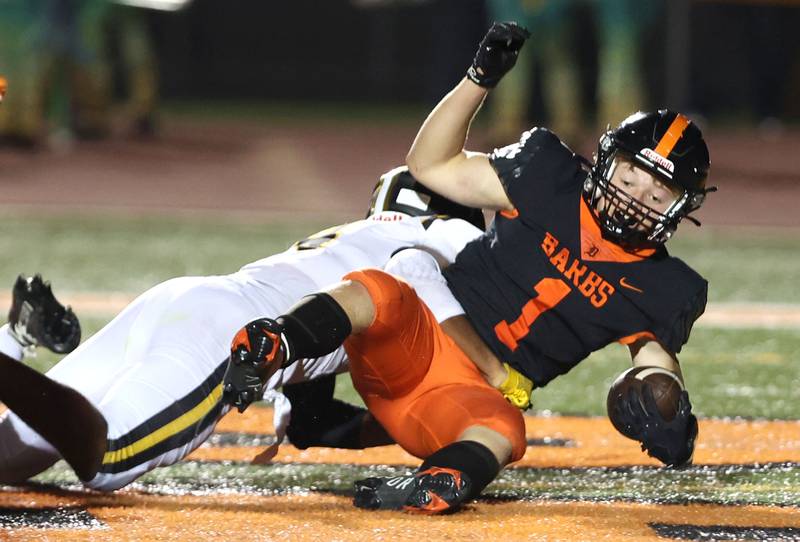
109,253
730,372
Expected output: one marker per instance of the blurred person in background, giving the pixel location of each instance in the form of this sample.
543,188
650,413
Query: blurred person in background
63,56
619,84
117,92
22,116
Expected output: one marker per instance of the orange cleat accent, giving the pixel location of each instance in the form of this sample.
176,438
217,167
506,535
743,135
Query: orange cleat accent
256,354
276,344
439,490
241,339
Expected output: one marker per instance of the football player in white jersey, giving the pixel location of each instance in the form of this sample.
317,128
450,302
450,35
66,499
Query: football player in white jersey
145,390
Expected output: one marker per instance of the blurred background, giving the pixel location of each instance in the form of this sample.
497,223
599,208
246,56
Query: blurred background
167,104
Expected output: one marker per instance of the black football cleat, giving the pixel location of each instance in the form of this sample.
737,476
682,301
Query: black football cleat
439,491
436,490
257,351
384,493
37,318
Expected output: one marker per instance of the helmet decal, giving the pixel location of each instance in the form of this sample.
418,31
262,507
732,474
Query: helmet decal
656,159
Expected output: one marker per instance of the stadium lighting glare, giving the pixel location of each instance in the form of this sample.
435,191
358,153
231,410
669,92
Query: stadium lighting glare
161,5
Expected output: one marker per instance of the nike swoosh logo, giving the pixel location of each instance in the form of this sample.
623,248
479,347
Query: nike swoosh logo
624,283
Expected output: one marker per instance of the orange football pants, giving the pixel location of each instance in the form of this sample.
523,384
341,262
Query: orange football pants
415,380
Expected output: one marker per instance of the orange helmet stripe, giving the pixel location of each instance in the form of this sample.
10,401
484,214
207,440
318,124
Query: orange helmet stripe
671,137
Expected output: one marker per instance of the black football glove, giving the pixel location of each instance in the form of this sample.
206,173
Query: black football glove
671,442
497,53
256,353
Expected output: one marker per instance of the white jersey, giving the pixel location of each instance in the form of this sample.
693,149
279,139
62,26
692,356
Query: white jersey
155,371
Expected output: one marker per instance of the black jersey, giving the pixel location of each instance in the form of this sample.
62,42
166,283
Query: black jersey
543,287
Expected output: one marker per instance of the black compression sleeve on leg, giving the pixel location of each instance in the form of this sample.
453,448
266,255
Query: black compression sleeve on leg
344,430
320,420
315,326
472,458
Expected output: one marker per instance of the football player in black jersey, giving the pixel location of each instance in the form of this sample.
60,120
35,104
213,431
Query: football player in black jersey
574,261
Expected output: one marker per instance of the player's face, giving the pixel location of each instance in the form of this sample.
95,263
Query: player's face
640,193
642,186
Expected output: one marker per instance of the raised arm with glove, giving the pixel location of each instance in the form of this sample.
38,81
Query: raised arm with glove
497,53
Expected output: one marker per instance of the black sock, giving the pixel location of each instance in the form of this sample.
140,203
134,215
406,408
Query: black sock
472,458
315,326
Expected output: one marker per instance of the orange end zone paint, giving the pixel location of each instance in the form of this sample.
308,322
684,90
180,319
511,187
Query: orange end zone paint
132,516
593,442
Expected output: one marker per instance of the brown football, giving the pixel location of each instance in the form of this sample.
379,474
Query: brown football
666,387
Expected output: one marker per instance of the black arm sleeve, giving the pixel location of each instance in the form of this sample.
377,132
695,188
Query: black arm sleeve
320,420
677,334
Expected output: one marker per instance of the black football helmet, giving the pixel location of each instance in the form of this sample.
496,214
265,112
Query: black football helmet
398,190
667,145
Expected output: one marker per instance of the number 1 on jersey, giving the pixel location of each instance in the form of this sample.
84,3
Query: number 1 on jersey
549,293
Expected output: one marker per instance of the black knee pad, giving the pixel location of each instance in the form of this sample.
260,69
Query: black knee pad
315,326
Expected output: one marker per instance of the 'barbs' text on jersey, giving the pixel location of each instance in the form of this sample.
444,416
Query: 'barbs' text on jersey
594,287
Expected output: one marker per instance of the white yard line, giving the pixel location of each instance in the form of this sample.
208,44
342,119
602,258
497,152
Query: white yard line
751,315
87,303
